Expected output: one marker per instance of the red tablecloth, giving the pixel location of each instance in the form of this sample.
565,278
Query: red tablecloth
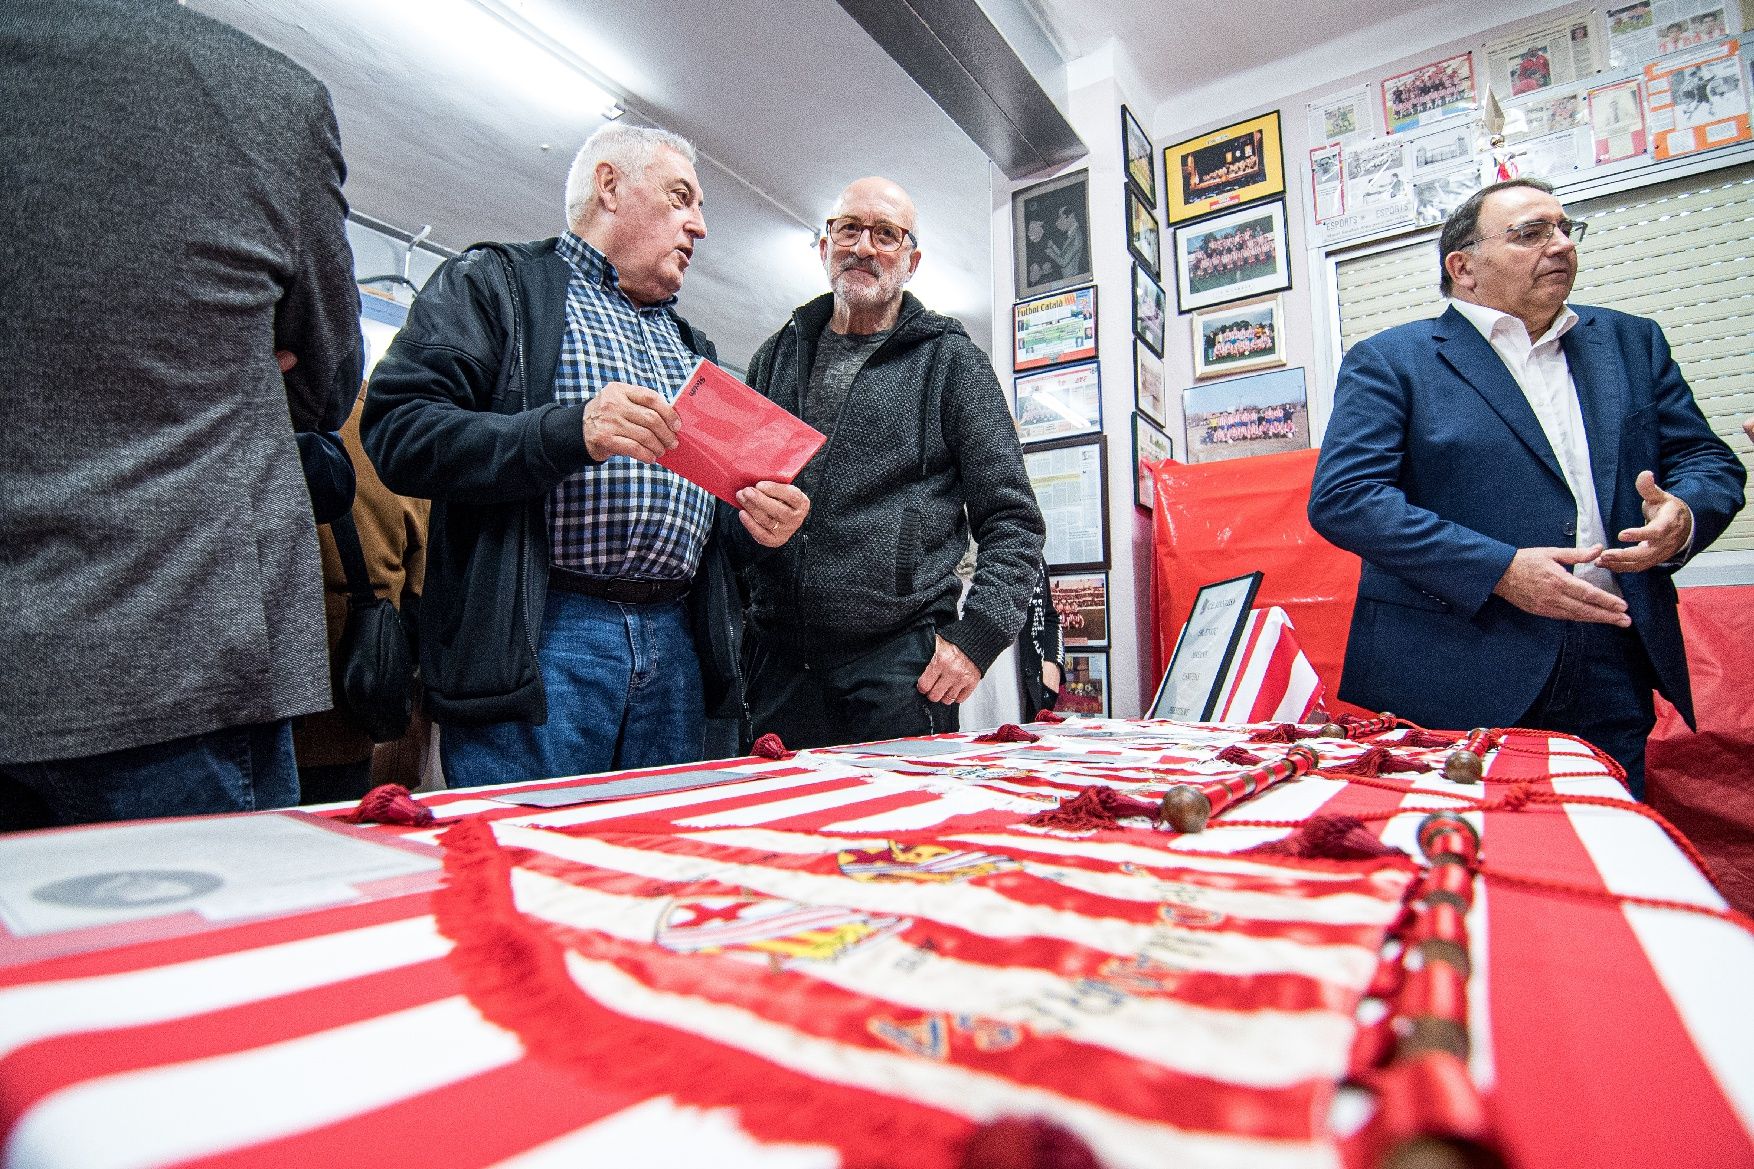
861,958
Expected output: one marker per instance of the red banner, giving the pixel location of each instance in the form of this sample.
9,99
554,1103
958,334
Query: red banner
1217,520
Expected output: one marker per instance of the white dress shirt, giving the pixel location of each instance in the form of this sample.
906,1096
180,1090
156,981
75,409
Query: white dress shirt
1544,376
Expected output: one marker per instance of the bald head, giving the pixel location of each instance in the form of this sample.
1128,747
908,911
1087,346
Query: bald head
876,192
867,279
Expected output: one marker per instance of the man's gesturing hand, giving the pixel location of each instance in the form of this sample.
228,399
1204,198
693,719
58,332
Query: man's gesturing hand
950,676
1667,525
632,421
772,512
1538,582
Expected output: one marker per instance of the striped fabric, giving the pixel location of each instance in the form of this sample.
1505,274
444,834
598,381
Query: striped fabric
856,958
1271,679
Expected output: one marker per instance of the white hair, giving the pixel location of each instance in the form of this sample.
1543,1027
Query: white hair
627,148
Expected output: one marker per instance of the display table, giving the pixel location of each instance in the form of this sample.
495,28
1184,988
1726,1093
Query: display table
932,953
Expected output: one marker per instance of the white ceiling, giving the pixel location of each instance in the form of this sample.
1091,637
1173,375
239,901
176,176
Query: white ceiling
788,102
450,120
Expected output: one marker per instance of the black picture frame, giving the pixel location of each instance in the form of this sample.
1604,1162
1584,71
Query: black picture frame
1143,427
1210,285
1140,159
1216,621
1091,506
1050,235
1150,310
1144,238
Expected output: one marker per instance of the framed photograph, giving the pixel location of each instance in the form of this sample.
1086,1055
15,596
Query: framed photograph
1239,337
1050,234
1053,329
1231,257
1142,233
1081,600
1204,650
1070,478
1059,403
1084,689
1429,93
1148,310
1150,445
1238,164
1136,149
1261,414
1617,121
1148,396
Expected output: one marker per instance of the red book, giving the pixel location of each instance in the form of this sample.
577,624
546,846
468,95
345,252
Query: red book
733,438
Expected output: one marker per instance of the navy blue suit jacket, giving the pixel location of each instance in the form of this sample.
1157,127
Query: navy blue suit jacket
1435,471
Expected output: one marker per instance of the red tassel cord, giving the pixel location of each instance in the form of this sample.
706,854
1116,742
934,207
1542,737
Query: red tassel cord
1009,733
769,746
1377,761
1032,1142
391,803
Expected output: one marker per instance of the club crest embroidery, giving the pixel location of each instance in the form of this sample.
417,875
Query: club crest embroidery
920,862
774,929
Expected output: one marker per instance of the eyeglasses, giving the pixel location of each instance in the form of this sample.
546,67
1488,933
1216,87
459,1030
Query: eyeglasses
885,237
1536,232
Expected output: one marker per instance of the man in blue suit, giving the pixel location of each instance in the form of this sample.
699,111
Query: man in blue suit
1521,479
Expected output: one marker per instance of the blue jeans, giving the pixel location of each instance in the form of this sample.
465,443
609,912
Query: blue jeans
623,688
233,769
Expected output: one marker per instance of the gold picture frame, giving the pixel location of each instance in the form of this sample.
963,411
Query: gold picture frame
1239,163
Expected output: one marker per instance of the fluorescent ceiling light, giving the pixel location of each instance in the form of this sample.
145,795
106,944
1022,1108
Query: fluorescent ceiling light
511,13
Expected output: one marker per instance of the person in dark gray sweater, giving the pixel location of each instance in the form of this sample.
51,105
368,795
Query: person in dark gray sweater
854,628
176,301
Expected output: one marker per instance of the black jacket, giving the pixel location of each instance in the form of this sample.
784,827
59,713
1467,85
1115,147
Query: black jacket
923,450
457,415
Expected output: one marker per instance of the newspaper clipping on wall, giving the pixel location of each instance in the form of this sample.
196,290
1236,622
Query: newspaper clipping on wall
1644,30
1559,51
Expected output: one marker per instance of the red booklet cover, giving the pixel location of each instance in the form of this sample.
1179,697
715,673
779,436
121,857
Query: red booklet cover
733,438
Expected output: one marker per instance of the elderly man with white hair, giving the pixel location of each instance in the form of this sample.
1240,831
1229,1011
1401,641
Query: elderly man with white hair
579,608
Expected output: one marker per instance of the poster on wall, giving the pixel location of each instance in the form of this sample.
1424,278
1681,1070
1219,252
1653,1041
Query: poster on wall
1696,101
1261,414
1428,94
1224,168
1070,478
1538,55
1379,191
1326,182
1617,121
1231,257
1059,403
1644,30
1054,329
1081,602
1441,192
1084,689
1342,117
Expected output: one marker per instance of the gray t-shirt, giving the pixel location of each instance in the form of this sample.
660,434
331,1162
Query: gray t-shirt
839,358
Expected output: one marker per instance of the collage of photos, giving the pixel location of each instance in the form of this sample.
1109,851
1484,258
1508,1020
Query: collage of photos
1580,93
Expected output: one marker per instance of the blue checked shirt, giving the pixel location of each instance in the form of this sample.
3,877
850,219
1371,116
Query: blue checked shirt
622,518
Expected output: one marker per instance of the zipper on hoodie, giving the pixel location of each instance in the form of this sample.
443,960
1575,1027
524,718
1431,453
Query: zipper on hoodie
521,381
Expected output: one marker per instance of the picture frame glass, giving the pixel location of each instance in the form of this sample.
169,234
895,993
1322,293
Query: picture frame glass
1059,403
1150,445
1050,230
1227,167
1258,414
1081,602
1239,337
1149,395
1142,233
1070,480
1149,310
1230,257
1140,158
1204,650
1053,330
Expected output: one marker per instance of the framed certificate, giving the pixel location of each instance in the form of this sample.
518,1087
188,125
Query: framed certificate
1204,650
1070,478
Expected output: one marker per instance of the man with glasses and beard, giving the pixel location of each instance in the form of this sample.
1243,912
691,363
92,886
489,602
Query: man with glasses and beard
854,628
1521,478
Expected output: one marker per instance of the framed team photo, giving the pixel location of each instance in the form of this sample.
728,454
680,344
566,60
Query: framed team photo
1053,329
1084,689
1232,257
1223,168
1081,601
1050,235
1148,310
1429,93
1261,414
1142,233
1059,403
1141,165
1239,337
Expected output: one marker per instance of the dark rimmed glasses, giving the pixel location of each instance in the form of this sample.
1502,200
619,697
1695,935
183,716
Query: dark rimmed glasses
885,237
1536,232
